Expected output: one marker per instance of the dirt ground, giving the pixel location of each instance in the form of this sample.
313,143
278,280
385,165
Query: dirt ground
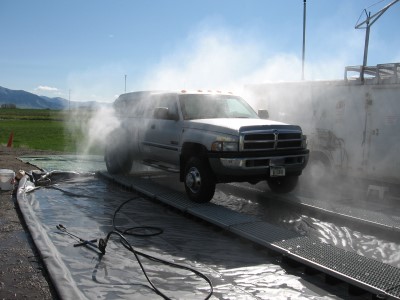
22,274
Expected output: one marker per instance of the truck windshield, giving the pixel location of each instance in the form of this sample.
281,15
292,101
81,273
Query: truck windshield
200,106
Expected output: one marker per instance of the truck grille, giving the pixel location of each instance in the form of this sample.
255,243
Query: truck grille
270,140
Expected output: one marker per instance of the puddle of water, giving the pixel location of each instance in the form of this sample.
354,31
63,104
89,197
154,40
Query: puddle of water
382,245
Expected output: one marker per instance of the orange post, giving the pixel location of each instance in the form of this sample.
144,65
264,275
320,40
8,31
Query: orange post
10,139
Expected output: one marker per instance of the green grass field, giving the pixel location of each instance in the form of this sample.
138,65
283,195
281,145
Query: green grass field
32,114
43,129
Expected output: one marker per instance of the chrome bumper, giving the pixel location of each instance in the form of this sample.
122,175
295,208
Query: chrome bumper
264,162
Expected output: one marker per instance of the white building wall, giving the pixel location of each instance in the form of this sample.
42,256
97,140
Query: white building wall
357,125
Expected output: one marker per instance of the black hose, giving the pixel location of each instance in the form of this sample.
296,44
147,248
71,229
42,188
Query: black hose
103,244
128,231
156,231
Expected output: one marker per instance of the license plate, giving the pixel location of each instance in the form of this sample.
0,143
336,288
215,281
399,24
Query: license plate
276,171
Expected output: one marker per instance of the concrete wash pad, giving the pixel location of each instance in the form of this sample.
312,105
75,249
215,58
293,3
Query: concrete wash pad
85,205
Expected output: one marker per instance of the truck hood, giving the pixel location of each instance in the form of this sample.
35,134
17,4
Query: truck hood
234,125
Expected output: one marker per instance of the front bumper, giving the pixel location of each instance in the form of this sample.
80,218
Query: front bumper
227,165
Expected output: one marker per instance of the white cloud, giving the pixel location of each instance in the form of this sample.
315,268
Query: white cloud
48,91
45,88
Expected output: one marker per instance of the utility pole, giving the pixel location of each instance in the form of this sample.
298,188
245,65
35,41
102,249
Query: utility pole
304,39
125,84
367,25
69,100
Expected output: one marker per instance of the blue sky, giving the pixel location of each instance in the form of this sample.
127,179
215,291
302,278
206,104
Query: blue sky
85,48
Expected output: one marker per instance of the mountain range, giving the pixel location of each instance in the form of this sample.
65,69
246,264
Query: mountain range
24,99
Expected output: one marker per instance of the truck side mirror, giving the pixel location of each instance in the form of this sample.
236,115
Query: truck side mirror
263,114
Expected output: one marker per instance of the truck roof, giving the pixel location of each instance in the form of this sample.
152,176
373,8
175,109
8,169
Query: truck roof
142,94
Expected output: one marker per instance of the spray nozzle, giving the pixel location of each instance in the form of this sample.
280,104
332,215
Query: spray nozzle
103,242
102,245
61,227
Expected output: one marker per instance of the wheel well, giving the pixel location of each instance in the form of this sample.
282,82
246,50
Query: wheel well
189,150
326,159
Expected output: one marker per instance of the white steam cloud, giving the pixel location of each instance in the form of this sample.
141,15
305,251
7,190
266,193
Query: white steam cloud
210,58
92,128
213,61
220,59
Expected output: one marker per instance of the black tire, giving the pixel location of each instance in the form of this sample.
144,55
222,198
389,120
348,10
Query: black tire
199,180
319,166
282,185
319,170
117,154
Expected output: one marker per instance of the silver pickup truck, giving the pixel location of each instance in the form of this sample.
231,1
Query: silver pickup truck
208,137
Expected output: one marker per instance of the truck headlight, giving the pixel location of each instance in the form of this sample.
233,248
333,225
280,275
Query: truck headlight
224,146
304,141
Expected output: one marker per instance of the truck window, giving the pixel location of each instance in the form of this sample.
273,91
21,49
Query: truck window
236,109
131,106
214,106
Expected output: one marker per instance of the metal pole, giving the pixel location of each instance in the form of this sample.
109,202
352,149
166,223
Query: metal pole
69,100
369,21
366,46
125,84
304,39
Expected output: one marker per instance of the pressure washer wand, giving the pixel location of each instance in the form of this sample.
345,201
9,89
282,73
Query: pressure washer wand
83,242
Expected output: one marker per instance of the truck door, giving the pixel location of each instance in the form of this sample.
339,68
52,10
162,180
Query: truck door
161,140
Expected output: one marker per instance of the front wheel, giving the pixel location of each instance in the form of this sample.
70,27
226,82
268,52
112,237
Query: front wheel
117,157
199,180
282,185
